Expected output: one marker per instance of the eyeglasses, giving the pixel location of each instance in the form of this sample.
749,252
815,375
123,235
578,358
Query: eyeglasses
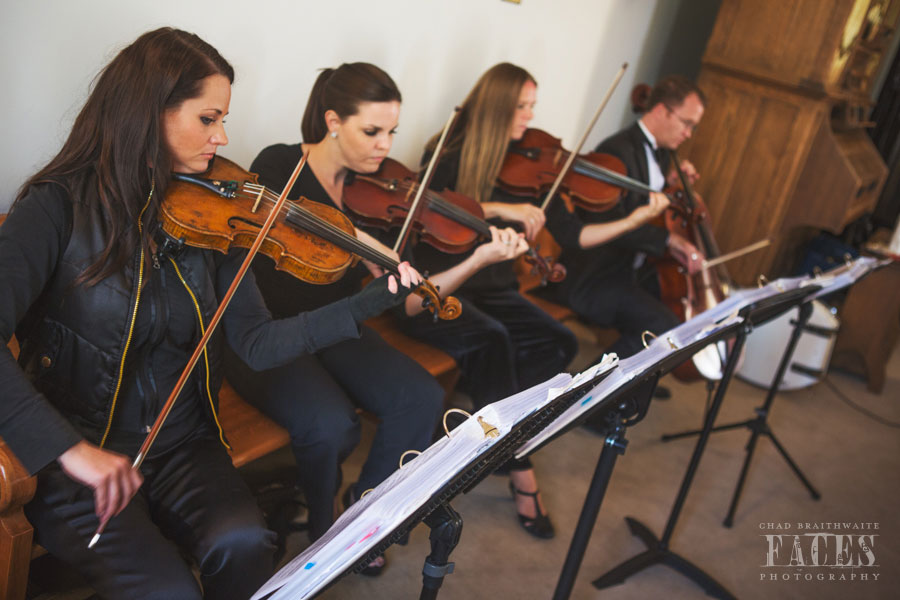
688,124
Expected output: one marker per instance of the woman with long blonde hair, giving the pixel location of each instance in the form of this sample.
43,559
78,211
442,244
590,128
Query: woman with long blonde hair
502,342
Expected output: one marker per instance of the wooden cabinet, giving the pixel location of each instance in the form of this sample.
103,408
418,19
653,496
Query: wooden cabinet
781,147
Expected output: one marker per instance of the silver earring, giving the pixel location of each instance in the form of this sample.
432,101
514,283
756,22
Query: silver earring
334,134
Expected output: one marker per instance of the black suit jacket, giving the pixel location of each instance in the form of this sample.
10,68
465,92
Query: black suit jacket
615,258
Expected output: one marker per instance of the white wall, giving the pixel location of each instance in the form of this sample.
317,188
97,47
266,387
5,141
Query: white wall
435,50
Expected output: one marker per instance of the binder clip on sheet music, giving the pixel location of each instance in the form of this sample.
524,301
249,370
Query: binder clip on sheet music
393,503
703,325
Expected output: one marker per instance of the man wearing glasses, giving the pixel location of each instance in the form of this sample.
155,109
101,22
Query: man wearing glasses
610,284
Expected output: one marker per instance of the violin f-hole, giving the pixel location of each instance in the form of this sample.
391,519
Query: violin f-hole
239,219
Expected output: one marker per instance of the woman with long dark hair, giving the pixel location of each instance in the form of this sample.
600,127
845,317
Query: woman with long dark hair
107,320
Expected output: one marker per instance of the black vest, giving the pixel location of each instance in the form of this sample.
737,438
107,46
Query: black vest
73,338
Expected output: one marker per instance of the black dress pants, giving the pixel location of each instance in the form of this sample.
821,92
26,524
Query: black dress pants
315,399
192,498
616,300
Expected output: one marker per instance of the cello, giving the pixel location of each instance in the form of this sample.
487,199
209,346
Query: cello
683,293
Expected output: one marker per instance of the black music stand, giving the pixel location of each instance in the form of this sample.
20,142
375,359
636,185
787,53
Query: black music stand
759,426
658,551
625,408
444,522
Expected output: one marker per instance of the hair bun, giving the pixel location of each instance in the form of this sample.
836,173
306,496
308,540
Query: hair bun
640,95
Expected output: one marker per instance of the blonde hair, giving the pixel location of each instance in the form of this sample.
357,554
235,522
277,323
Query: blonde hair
483,129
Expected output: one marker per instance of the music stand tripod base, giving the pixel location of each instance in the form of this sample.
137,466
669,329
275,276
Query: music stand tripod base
658,549
624,408
759,425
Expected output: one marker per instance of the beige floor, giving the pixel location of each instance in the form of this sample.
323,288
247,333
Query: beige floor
852,460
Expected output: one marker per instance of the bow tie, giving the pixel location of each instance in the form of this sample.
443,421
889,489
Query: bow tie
662,158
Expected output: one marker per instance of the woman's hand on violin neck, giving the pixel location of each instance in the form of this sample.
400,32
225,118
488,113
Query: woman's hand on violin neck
657,203
383,293
371,242
531,217
109,474
686,253
505,244
409,278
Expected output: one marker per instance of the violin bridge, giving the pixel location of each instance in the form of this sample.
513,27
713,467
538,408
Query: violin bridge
258,200
489,430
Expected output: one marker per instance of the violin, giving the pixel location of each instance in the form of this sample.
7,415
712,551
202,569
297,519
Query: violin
534,162
596,181
316,243
449,221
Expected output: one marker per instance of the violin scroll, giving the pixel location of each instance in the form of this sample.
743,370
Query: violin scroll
545,266
445,309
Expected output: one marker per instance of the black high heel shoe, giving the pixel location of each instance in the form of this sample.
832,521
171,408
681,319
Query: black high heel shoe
376,567
539,526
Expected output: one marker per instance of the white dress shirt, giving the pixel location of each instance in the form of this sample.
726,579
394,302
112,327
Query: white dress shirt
657,178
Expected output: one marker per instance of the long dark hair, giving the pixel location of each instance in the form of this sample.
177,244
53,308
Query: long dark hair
342,90
118,134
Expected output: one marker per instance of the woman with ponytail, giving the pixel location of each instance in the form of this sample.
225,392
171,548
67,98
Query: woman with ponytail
348,126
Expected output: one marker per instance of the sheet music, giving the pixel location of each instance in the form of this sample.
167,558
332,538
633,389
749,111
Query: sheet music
847,275
712,321
705,324
381,511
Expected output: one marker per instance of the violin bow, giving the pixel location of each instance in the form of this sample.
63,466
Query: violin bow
423,185
574,153
210,328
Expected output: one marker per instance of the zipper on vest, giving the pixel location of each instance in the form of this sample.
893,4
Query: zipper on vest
212,404
137,300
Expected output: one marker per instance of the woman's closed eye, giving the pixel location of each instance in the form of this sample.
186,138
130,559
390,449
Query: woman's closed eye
377,130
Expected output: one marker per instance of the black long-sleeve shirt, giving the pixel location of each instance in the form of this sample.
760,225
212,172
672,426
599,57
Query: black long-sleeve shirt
284,294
